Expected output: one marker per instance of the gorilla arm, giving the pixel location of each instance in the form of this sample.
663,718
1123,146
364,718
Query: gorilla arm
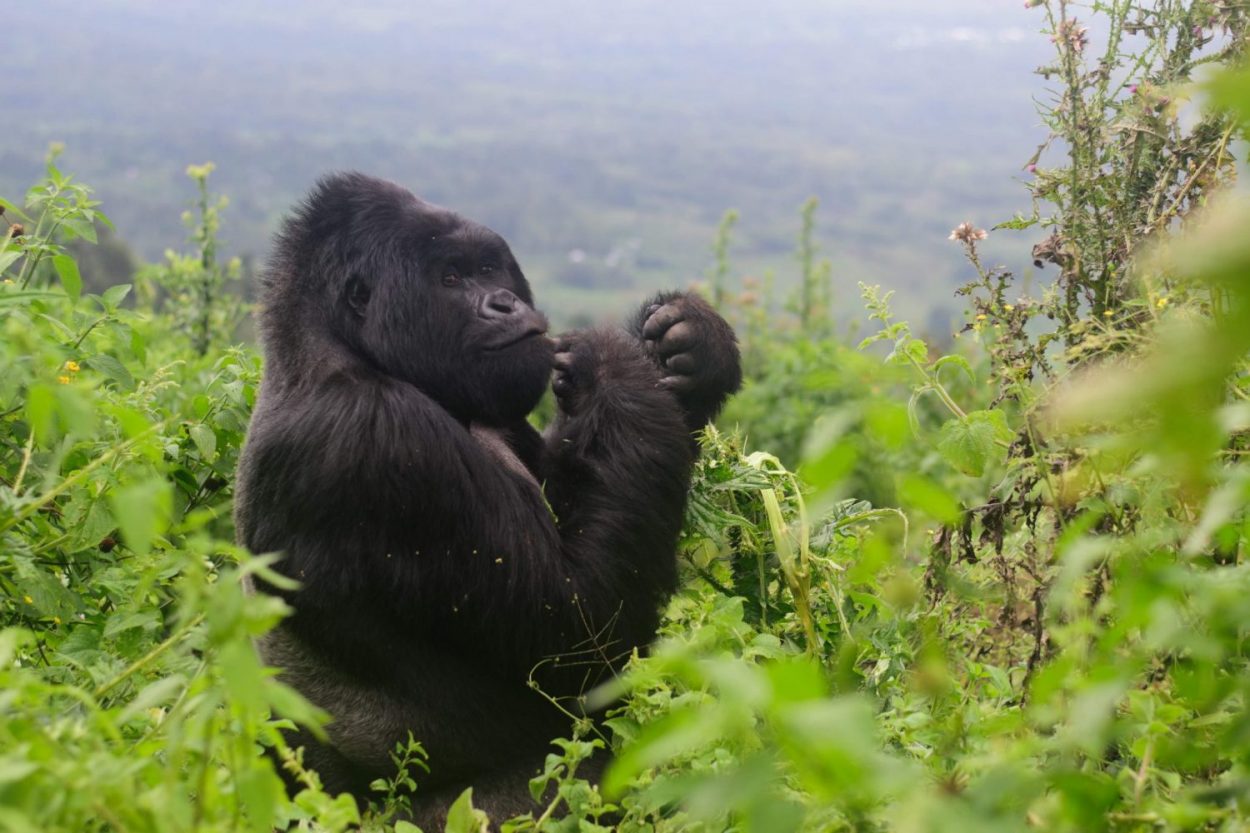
400,516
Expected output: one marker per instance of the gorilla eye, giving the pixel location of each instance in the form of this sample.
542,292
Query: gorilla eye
451,279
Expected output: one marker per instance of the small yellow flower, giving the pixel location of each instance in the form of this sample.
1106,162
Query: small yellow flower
1009,307
1162,302
1107,313
28,599
56,620
8,281
981,316
72,366
64,380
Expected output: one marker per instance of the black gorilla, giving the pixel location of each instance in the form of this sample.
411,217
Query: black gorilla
444,549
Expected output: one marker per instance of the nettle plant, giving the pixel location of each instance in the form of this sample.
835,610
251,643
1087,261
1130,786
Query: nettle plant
132,698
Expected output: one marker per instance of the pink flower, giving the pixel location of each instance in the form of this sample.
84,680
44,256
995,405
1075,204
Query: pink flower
1072,33
967,233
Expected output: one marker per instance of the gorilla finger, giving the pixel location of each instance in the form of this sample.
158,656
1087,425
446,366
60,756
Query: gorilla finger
683,363
677,384
562,360
665,317
679,338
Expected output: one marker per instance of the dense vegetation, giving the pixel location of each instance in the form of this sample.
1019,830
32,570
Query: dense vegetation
1006,590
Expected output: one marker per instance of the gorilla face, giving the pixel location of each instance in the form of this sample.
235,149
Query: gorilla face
439,301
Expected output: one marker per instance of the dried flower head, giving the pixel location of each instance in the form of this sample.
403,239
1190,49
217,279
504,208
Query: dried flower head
1072,33
967,233
17,230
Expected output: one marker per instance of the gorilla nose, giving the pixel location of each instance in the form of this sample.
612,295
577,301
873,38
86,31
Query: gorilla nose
499,303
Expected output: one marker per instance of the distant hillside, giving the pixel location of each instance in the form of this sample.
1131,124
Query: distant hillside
603,142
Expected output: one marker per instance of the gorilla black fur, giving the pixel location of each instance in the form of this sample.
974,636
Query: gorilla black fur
443,549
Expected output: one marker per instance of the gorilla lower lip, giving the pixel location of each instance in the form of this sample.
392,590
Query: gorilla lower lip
525,336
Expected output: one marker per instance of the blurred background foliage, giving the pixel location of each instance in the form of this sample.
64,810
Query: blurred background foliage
993,583
604,142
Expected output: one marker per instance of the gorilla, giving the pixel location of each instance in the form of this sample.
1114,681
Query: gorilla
445,552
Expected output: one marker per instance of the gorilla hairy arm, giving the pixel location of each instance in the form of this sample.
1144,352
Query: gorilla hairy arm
370,466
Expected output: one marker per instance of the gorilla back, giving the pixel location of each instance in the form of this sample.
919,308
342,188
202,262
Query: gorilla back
390,462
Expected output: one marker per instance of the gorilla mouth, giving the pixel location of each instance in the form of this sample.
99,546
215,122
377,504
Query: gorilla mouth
525,335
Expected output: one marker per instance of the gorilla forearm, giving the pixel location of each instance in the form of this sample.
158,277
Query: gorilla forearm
522,586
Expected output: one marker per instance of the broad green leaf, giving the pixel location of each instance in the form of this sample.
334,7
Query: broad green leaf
971,443
114,295
112,369
24,296
8,258
41,411
142,511
954,361
162,690
1017,223
80,227
929,497
67,269
121,622
205,441
11,210
463,817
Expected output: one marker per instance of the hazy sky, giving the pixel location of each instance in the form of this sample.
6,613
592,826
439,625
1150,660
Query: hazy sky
907,114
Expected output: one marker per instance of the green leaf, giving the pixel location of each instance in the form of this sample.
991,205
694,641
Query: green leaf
971,443
8,258
1017,223
142,511
157,693
957,361
80,227
260,791
114,295
122,622
41,411
22,296
113,369
11,209
205,440
463,817
922,493
67,269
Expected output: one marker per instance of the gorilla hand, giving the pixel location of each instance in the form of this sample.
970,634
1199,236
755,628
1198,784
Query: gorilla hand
574,375
696,351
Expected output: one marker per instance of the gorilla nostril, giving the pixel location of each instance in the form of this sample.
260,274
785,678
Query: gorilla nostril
498,303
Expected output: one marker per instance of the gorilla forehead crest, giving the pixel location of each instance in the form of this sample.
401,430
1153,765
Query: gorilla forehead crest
354,216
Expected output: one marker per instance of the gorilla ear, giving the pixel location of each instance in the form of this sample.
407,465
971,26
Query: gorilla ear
357,295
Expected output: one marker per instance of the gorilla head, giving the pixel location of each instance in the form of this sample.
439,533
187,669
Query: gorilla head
417,291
